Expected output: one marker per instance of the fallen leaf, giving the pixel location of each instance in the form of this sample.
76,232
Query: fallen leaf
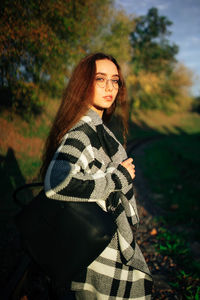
153,231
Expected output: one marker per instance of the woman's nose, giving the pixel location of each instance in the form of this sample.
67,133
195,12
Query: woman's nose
109,85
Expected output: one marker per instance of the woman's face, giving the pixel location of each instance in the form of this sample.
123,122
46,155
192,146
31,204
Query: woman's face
106,85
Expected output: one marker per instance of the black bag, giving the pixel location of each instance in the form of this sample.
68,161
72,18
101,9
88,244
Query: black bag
63,237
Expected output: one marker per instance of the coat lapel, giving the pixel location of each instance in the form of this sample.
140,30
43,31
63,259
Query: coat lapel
108,143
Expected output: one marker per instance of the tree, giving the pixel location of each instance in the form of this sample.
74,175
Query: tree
114,37
42,39
151,90
157,82
151,49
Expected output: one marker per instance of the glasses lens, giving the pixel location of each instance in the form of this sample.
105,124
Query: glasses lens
115,83
101,82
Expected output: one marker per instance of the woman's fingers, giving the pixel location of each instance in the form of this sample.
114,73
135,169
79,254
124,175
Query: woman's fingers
128,164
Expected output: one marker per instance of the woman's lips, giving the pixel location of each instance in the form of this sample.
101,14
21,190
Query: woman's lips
109,97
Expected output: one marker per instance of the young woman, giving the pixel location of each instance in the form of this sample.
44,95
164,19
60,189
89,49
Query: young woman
84,161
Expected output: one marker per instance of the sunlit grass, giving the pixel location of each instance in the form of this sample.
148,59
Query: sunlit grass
151,123
39,126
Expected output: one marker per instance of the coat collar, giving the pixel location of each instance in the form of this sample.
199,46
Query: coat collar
109,144
92,116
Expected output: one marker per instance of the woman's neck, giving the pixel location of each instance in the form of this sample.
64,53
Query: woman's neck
99,111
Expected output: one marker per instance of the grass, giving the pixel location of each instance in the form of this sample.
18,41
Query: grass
151,123
37,126
29,167
186,273
171,166
38,129
186,281
171,244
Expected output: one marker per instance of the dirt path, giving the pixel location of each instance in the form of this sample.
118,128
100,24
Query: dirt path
161,266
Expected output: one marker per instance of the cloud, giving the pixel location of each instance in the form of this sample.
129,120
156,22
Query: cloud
163,6
195,40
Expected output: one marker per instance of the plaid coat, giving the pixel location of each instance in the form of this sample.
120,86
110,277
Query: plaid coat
86,167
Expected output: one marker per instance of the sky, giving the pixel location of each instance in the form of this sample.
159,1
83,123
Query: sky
185,15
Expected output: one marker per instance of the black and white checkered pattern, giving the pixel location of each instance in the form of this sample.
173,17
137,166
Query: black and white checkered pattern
86,167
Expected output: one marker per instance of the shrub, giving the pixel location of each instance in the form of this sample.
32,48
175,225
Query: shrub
21,98
196,105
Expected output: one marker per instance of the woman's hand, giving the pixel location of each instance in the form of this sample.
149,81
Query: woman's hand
130,167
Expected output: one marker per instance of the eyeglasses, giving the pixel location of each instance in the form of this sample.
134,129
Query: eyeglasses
102,82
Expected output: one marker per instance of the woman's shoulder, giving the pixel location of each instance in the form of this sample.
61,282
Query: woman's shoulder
83,132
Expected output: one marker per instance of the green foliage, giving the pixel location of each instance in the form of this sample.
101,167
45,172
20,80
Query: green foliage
186,277
158,81
196,104
114,38
41,41
166,92
197,294
171,244
188,282
152,51
22,98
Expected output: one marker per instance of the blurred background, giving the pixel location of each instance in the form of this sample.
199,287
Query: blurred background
157,44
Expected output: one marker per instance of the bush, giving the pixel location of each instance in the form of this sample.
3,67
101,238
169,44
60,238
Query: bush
196,105
21,98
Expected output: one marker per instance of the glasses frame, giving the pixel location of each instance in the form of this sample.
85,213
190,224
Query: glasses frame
104,84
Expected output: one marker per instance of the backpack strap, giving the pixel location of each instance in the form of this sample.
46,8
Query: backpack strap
24,187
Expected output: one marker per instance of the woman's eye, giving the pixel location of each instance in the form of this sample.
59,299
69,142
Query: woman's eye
115,81
100,79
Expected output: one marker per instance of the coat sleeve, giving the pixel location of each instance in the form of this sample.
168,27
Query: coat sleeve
75,174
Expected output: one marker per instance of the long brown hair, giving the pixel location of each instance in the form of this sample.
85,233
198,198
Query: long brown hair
76,99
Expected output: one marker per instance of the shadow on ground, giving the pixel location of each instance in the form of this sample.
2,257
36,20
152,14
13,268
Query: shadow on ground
11,177
10,248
